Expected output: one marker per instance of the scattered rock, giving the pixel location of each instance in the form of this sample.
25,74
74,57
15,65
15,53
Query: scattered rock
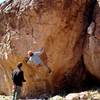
95,98
84,95
73,96
57,97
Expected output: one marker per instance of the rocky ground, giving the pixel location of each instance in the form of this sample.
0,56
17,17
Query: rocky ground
86,95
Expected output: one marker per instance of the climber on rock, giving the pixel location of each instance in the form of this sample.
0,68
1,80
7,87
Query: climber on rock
18,79
34,57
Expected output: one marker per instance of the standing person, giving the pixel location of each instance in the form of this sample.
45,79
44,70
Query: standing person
35,58
18,79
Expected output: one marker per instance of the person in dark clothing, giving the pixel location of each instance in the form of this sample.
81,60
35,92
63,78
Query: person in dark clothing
18,79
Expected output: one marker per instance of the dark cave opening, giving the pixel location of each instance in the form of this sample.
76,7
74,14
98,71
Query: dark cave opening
89,10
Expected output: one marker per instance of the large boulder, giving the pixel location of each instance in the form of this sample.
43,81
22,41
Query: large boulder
92,45
56,25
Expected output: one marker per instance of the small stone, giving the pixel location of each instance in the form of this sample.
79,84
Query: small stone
57,97
73,96
96,98
84,95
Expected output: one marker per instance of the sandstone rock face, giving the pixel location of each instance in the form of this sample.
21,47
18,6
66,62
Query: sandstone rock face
56,25
92,46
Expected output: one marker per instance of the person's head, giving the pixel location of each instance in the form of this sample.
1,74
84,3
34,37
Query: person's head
19,65
30,53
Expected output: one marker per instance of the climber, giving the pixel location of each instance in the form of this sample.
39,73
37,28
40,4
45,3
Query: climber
18,79
34,57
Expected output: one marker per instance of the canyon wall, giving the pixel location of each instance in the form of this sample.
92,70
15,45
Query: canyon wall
92,44
58,26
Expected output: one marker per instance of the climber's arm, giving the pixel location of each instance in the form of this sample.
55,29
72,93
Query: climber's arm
39,52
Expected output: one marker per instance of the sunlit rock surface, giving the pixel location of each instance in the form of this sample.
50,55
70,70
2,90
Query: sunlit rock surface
56,25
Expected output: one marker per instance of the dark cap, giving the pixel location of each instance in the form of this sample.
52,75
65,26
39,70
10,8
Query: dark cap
19,64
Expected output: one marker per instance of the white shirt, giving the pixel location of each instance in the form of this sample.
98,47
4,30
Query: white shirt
35,58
